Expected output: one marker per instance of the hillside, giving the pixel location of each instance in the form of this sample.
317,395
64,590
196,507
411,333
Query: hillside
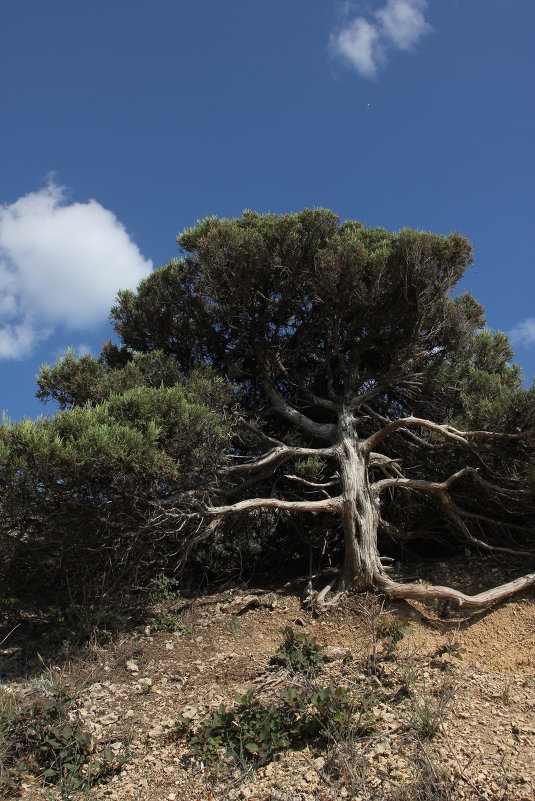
440,707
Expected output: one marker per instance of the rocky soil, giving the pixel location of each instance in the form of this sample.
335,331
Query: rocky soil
130,694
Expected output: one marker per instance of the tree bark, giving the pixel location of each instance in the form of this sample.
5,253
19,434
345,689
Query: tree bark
359,511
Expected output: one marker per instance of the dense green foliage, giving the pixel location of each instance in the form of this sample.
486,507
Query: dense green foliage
264,330
79,489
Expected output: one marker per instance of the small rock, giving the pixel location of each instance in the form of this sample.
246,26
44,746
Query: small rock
108,719
129,713
169,646
334,653
132,666
319,763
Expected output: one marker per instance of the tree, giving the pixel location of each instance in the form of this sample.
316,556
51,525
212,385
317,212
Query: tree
80,491
365,388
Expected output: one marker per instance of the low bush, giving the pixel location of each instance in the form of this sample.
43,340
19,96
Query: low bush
299,652
254,732
38,739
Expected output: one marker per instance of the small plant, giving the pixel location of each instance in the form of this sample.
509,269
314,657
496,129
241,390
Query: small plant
452,648
163,588
427,708
299,652
234,625
147,689
254,732
392,631
430,782
171,622
40,739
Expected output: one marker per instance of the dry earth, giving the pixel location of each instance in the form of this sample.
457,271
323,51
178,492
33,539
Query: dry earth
130,694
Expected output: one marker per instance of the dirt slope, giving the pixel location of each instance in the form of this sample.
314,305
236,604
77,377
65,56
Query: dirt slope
131,694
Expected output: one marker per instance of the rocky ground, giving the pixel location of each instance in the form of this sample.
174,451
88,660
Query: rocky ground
452,702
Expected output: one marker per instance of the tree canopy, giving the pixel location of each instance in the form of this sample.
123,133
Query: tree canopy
337,378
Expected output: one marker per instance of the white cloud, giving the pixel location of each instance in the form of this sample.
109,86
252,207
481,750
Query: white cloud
523,333
402,21
358,43
61,264
364,42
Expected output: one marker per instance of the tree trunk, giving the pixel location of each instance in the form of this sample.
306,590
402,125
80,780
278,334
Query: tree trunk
359,512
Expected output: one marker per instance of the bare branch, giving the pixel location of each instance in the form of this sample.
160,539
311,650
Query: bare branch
436,487
331,505
276,456
314,484
422,592
259,433
326,431
420,422
454,512
494,434
316,400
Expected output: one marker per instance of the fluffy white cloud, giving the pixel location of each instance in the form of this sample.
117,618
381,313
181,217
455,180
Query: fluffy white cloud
523,333
364,42
357,43
61,264
402,21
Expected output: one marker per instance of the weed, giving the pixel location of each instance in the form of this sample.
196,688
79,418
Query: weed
392,631
383,629
427,709
171,622
299,652
429,782
163,588
505,695
39,739
254,733
452,648
147,689
235,626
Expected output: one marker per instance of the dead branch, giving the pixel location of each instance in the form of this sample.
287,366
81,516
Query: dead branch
331,505
423,592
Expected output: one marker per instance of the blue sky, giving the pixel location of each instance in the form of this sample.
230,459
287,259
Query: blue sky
122,123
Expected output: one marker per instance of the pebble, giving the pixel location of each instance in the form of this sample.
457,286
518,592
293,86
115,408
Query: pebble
108,719
132,666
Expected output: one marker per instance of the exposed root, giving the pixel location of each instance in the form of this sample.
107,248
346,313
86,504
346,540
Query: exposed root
423,592
316,600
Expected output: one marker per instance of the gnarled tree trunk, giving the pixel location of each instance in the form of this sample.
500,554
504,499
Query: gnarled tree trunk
359,511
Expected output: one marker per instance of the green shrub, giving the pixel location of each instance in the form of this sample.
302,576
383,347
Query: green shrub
254,732
299,652
171,622
39,739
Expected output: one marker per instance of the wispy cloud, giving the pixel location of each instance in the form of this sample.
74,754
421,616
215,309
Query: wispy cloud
61,264
364,42
523,333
